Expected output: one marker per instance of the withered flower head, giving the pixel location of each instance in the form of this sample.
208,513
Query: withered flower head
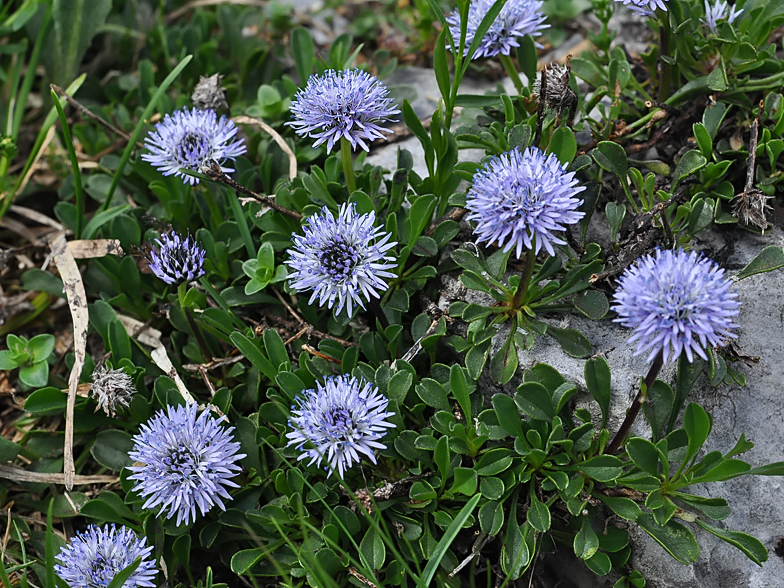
552,86
750,206
112,389
208,94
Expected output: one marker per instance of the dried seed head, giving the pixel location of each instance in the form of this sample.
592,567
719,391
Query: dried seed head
112,389
557,93
750,206
208,94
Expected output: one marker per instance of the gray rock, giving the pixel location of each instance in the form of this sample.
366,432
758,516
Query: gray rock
756,410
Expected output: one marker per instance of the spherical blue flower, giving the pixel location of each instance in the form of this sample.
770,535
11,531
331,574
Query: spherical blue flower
177,259
348,103
719,11
186,461
340,419
516,19
95,556
189,138
521,199
341,259
647,7
676,302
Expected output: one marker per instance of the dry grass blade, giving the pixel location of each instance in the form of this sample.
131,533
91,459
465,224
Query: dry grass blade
247,120
202,3
77,301
87,249
17,474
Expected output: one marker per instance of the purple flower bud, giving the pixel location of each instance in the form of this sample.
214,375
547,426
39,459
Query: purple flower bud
676,302
348,103
516,19
521,199
186,461
341,259
341,419
95,556
188,139
177,259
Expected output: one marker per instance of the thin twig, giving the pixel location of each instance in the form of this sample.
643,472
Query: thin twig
215,173
455,214
92,116
215,363
288,307
318,353
314,333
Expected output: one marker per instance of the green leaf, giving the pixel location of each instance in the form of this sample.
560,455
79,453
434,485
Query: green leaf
465,481
491,517
625,508
441,458
433,394
447,539
769,259
611,157
615,214
658,406
46,401
111,449
504,363
676,539
586,543
41,347
644,455
538,514
601,468
691,162
592,303
36,375
535,400
704,140
507,414
303,52
697,424
563,144
101,219
724,470
599,563
399,386
572,341
119,342
249,349
751,546
440,66
598,379
717,79
494,462
457,382
373,549
8,449
76,22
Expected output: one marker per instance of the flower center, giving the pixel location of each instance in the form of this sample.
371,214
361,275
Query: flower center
103,571
182,462
340,423
193,150
338,259
676,304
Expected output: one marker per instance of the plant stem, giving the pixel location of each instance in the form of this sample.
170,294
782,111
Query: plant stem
631,416
665,79
348,164
525,280
511,71
205,351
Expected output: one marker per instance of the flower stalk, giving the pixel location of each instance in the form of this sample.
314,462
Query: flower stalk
348,165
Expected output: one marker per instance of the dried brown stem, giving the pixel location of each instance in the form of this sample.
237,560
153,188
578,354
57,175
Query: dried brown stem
215,173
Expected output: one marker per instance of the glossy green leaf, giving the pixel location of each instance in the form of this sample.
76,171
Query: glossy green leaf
676,539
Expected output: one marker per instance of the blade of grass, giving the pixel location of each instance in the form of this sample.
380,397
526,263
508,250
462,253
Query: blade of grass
446,540
29,78
77,174
122,576
50,581
242,222
48,122
140,126
4,574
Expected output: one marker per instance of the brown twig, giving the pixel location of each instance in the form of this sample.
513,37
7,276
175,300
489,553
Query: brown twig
315,332
318,353
751,204
92,116
215,173
215,363
455,214
248,120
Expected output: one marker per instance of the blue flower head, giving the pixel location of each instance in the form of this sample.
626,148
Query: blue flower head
341,258
348,103
516,19
185,461
720,10
340,420
177,259
647,7
676,302
522,199
188,139
94,557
